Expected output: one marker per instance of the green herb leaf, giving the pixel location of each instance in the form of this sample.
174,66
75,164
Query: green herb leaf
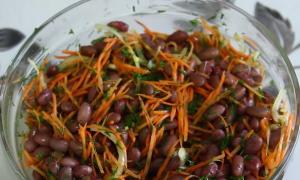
154,76
225,142
71,31
125,52
203,178
193,106
236,178
194,22
247,157
58,90
161,11
97,40
132,119
106,95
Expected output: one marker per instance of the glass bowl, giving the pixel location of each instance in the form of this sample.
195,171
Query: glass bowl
75,25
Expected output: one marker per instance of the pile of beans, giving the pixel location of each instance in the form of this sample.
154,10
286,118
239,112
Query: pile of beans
242,111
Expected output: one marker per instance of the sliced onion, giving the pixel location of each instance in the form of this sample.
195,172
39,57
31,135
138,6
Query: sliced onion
116,139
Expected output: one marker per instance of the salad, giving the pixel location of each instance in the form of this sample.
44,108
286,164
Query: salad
151,105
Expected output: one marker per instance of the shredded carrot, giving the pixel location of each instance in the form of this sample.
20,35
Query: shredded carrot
126,68
150,151
204,163
166,161
210,100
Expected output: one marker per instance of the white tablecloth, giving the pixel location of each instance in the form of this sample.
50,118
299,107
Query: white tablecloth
25,15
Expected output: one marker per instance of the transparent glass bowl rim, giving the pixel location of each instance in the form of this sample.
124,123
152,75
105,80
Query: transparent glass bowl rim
268,35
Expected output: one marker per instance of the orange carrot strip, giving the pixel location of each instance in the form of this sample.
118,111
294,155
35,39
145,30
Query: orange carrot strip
127,68
210,100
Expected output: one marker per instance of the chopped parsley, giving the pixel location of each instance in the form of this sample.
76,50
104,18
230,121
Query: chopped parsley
125,52
97,40
194,22
193,106
225,142
71,31
154,76
58,90
161,11
132,119
236,178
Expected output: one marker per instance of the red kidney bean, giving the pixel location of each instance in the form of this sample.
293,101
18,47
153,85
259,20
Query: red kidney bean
230,79
59,144
253,144
221,178
119,106
259,112
254,124
76,147
253,164
243,133
134,154
210,151
173,97
52,70
142,137
41,152
67,106
236,141
69,161
209,53
192,64
99,46
239,92
88,50
248,101
73,126
119,25
167,144
33,131
82,170
148,89
240,126
45,128
113,75
171,125
42,139
36,176
269,98
206,67
214,80
148,40
176,177
218,134
237,165
250,177
210,170
241,109
223,170
197,79
241,69
92,94
44,97
30,145
274,137
214,112
224,64
174,164
113,118
178,37
53,167
168,69
65,173
84,113
217,71
124,136
155,164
